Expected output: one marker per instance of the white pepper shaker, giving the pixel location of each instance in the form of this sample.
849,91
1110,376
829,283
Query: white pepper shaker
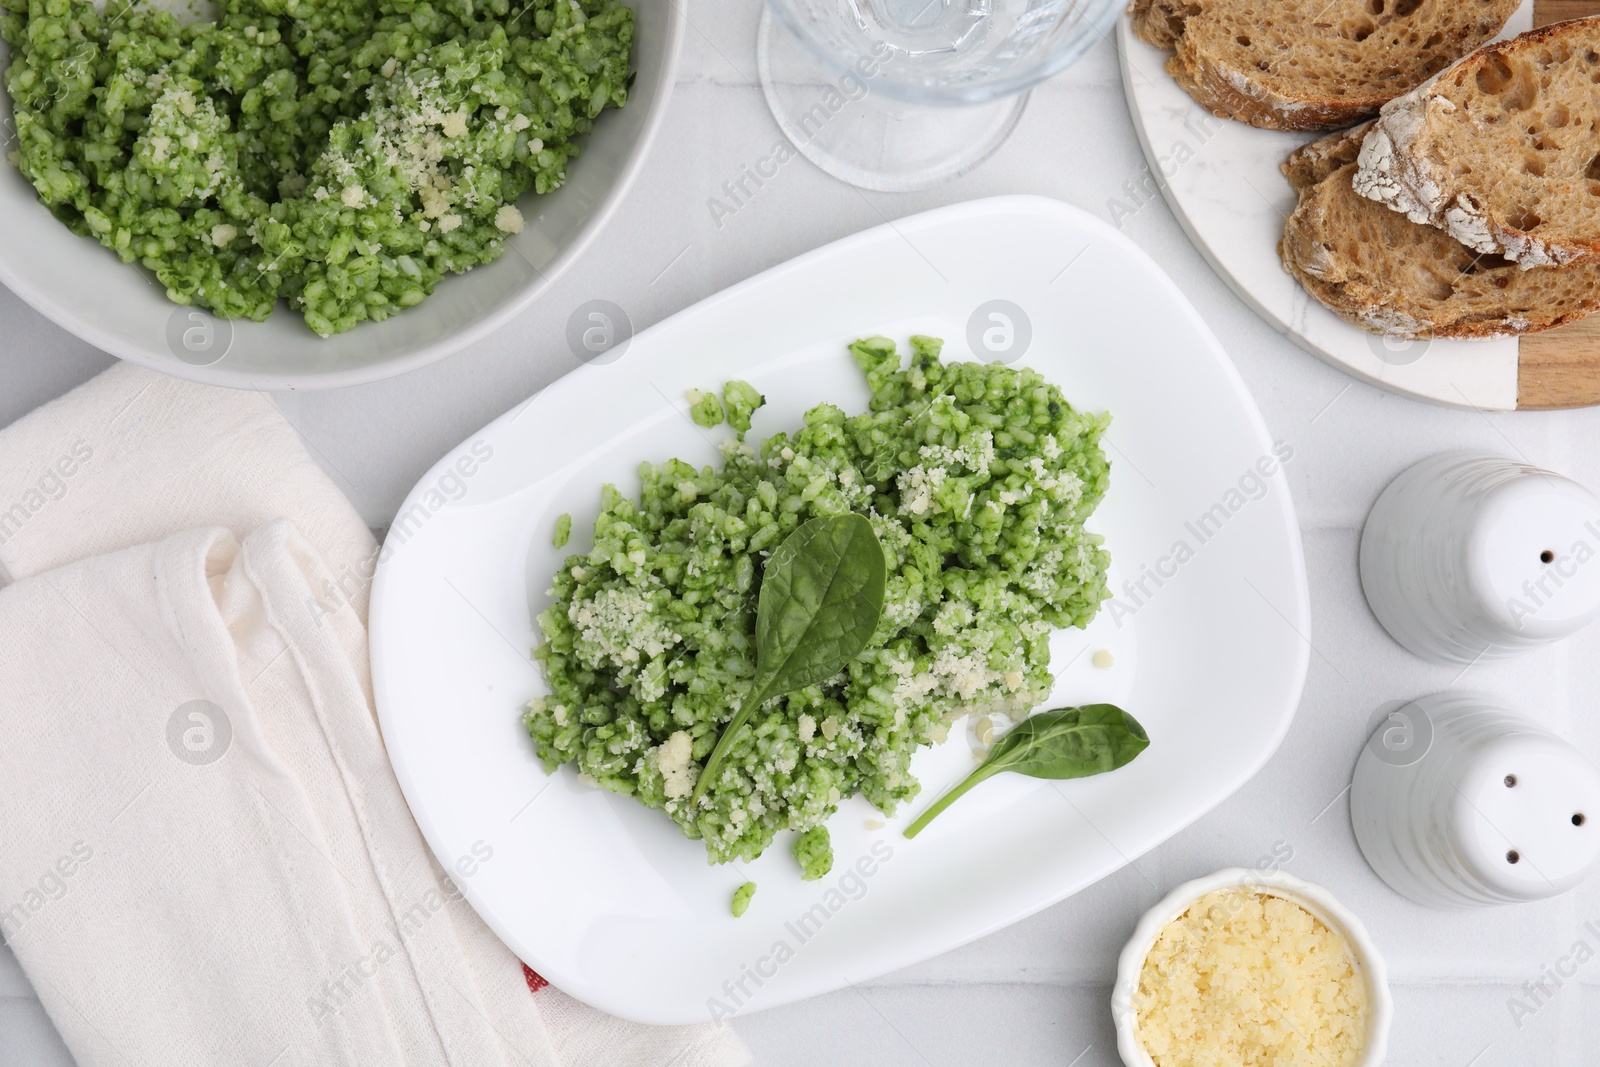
1458,802
1468,557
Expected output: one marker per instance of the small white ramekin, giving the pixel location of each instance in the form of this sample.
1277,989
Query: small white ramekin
1318,901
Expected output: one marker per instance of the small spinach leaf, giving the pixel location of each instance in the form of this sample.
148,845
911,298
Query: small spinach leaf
1065,743
821,600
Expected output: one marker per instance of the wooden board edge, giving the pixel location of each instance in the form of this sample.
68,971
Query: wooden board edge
1548,11
1560,369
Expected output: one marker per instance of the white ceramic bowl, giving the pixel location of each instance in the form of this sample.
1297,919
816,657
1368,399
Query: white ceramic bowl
119,308
1318,901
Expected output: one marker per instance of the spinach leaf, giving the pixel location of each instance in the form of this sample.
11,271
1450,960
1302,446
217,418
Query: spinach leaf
1065,743
821,599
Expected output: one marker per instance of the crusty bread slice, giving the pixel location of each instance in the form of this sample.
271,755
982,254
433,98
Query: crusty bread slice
1379,270
1311,64
1502,150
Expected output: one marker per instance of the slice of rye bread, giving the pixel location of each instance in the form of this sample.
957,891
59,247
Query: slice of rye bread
1377,269
1311,64
1502,150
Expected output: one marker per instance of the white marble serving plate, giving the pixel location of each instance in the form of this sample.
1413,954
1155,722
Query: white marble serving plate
1222,181
607,899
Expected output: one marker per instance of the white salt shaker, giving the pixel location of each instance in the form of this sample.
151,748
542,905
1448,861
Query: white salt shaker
1467,557
1458,802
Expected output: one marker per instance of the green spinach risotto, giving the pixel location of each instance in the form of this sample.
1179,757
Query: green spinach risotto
977,480
342,154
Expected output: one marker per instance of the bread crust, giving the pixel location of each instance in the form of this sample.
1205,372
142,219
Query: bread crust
1311,163
1408,162
1160,22
1251,87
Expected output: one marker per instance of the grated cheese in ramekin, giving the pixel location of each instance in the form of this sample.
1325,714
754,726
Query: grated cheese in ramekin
1249,979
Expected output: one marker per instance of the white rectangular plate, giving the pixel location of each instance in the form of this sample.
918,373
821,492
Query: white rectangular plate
607,899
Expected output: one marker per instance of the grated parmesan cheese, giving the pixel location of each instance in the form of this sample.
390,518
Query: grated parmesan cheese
983,730
674,759
1249,979
620,624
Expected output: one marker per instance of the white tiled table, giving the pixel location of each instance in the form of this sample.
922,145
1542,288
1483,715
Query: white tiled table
1038,992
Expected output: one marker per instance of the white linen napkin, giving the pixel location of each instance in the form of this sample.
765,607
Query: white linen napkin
204,856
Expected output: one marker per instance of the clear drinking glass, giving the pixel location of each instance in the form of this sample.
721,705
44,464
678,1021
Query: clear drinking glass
904,94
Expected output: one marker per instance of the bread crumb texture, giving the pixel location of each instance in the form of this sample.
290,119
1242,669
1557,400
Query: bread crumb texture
1249,979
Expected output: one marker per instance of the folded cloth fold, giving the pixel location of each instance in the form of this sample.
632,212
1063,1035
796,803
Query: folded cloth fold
204,855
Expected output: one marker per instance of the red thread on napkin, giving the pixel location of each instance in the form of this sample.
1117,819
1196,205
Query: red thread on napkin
535,981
